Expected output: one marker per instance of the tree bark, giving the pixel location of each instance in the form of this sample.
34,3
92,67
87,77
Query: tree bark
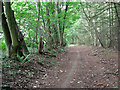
50,43
117,10
62,44
16,49
6,32
40,45
54,26
59,26
21,37
110,26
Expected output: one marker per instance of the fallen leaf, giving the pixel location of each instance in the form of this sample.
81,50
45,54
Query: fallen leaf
61,71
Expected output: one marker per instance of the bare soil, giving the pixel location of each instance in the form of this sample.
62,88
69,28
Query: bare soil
78,67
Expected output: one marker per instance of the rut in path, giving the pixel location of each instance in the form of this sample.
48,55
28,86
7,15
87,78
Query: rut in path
69,76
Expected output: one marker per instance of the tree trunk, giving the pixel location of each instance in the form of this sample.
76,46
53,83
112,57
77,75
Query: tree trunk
97,35
54,26
110,27
40,45
62,33
50,43
6,32
43,18
16,48
117,10
59,26
21,37
23,44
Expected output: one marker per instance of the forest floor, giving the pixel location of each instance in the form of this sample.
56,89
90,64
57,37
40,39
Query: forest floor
78,67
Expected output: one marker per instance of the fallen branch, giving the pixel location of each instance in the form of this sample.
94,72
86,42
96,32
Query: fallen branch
112,73
47,53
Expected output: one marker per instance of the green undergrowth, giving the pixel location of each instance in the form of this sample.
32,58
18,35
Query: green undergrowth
108,52
2,45
24,60
52,62
55,51
42,60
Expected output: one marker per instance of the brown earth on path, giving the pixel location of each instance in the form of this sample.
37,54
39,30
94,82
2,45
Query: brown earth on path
79,67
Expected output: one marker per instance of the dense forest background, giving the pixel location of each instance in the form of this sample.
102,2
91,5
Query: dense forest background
58,24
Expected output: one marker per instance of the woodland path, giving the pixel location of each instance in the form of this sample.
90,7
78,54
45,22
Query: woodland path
78,69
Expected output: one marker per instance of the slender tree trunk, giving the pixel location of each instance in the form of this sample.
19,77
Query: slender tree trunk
117,10
36,37
110,26
62,44
54,26
97,35
43,18
59,25
40,45
50,43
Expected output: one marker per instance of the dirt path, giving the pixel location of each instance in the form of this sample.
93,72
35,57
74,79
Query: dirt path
78,69
69,76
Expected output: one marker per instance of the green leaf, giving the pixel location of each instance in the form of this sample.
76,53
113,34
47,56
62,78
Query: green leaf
25,58
28,61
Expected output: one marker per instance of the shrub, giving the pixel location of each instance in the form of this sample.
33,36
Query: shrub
3,46
24,60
